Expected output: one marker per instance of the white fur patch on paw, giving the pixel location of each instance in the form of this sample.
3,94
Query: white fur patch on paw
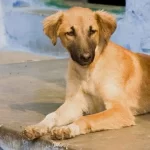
75,130
49,120
64,132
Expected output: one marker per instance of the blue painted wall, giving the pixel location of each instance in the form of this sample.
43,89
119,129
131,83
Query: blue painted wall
23,30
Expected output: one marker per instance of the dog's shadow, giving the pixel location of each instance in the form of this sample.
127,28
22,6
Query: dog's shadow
43,108
143,119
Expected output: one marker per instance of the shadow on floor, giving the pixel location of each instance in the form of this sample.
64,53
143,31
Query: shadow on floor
43,108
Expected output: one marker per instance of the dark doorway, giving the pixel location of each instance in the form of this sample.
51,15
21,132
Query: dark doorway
108,2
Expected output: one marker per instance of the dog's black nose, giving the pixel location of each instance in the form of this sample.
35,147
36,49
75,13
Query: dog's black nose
85,57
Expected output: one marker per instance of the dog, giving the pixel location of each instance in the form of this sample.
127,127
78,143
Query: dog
107,85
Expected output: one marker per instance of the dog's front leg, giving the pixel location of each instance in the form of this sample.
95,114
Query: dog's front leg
71,110
114,118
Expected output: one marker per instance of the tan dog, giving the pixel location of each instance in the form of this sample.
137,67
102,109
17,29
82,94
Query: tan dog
107,84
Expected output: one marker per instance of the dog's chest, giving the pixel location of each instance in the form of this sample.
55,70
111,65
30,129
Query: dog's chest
91,86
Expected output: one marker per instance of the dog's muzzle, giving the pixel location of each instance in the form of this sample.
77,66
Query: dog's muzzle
83,59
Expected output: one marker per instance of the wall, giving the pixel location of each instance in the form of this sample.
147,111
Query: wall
23,30
2,27
133,30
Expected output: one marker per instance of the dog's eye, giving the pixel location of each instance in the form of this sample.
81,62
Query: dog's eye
91,31
70,33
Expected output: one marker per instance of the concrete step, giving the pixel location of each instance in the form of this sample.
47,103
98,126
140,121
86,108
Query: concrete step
29,91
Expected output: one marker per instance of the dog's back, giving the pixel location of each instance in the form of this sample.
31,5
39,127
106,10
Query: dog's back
144,101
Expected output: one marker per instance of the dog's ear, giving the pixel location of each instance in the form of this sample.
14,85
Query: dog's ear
107,23
51,25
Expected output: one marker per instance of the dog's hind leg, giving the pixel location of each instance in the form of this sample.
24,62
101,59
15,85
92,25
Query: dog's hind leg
114,118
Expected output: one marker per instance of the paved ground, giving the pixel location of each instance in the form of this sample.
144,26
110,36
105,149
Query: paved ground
30,90
8,57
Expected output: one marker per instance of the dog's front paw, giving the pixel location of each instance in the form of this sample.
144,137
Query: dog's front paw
60,133
34,131
65,132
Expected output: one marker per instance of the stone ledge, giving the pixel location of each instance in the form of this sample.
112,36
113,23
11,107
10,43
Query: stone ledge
29,91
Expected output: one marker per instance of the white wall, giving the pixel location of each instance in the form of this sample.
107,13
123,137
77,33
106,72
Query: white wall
2,27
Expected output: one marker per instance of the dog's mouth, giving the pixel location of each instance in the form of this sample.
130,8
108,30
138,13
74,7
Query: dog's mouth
84,63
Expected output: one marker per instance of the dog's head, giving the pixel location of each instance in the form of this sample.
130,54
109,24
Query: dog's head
81,30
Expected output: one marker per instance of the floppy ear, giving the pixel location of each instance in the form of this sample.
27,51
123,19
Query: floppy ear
107,23
51,25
